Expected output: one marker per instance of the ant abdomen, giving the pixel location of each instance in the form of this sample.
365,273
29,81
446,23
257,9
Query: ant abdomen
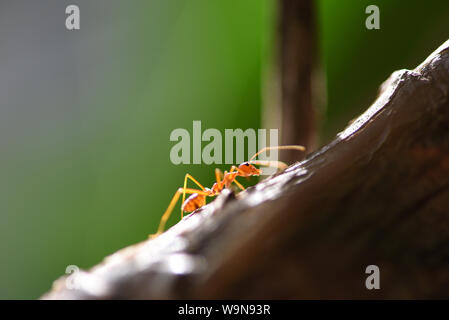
193,202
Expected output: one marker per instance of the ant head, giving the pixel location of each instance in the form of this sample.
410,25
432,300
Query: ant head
246,170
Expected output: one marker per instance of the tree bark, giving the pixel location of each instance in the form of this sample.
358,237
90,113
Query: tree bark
378,194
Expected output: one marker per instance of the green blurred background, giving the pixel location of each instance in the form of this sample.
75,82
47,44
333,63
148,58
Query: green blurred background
85,116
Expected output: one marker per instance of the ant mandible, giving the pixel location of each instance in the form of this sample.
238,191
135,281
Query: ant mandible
197,197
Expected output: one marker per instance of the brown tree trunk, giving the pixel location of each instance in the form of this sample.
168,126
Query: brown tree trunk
298,58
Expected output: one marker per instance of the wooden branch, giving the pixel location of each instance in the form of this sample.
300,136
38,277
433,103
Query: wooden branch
298,58
377,194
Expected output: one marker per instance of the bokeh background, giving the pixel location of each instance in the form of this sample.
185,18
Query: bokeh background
85,116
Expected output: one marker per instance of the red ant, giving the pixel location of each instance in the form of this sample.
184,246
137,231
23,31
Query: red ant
197,199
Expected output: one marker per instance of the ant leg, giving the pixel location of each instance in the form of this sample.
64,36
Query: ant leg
234,168
218,175
167,213
188,176
172,204
270,163
238,184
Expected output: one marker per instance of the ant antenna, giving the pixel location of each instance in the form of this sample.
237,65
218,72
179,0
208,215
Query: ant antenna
299,148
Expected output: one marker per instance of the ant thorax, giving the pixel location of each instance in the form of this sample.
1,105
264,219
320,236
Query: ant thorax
216,189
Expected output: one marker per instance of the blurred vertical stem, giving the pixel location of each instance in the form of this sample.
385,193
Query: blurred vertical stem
297,58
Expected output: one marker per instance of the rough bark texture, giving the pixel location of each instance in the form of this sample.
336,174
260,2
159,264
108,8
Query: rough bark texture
378,194
298,57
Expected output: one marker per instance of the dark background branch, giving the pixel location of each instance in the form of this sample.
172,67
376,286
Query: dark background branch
298,59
